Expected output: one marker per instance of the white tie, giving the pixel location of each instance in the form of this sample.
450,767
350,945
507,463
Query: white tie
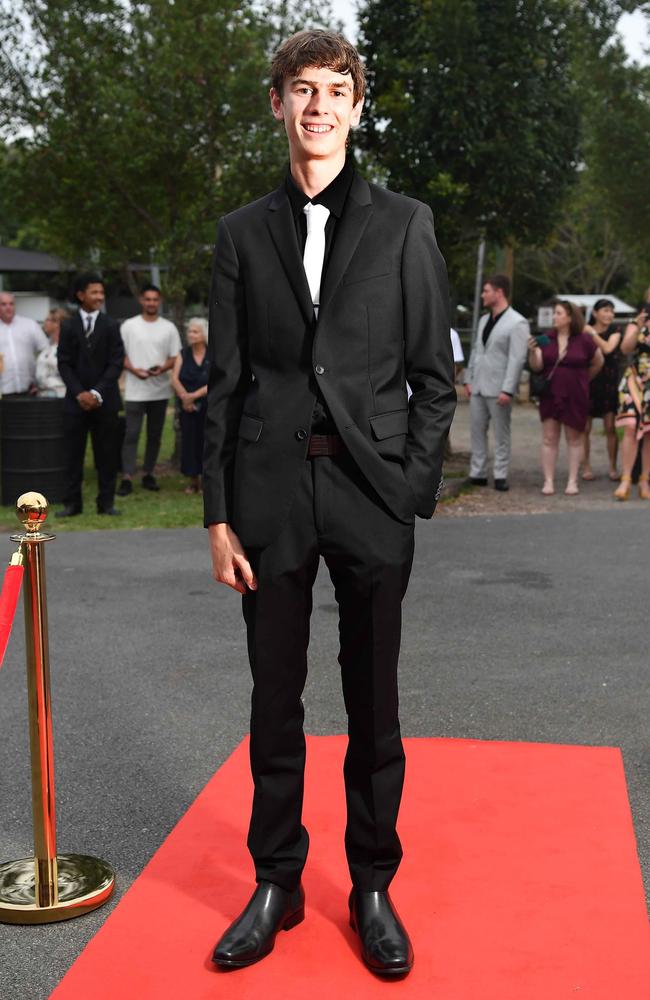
314,255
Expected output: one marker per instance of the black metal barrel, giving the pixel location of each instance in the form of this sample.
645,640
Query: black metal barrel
32,447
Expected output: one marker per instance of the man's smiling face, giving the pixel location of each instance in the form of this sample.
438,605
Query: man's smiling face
318,111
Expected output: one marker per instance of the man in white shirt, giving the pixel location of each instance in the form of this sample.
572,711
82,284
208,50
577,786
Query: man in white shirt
457,348
152,345
21,340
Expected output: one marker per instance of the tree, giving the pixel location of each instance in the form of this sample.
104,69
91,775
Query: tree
474,111
139,124
618,149
583,253
599,243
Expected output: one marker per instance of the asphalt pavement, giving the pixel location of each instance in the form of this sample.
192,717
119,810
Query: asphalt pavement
527,628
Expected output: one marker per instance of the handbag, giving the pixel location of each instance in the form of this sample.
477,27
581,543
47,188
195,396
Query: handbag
540,384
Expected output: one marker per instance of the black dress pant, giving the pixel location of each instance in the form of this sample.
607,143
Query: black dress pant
103,428
368,553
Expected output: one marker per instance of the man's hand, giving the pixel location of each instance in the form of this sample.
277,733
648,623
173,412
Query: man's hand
503,399
229,562
87,401
141,372
468,390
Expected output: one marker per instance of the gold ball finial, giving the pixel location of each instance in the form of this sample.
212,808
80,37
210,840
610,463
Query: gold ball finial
31,511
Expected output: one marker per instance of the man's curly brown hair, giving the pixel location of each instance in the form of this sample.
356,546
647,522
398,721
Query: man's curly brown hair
316,47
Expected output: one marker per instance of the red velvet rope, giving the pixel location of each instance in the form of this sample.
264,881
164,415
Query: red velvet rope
8,602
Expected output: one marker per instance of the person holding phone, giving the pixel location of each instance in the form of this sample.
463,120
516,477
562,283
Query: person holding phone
152,345
569,359
603,389
634,405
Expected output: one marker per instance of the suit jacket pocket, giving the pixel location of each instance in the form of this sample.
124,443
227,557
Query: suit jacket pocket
366,271
250,428
386,425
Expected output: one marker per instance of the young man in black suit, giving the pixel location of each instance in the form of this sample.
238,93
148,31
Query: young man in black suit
90,357
328,295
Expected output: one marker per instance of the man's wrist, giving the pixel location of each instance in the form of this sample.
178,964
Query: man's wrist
97,395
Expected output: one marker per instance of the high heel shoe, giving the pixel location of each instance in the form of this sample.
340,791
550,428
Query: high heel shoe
623,491
644,489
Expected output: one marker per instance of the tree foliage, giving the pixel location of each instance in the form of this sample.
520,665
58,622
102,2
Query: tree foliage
521,121
138,124
599,242
474,110
131,126
583,252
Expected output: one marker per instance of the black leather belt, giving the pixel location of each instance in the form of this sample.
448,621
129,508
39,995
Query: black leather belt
325,444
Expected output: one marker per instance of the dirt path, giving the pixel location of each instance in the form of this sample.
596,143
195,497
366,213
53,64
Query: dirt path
524,496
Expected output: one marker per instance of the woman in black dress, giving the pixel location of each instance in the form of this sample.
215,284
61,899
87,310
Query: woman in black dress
603,389
190,382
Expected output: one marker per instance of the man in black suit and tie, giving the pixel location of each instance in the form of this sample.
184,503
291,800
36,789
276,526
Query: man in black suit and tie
90,359
327,296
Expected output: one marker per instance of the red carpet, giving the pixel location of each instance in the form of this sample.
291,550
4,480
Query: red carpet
520,882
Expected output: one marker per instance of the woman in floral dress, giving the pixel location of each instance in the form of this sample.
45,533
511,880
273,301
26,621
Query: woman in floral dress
634,405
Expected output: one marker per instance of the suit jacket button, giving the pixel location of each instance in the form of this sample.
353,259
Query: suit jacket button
301,434
319,370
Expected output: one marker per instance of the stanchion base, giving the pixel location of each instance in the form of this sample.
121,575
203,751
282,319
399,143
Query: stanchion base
84,884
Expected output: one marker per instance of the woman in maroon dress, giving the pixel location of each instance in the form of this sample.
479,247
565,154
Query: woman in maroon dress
569,359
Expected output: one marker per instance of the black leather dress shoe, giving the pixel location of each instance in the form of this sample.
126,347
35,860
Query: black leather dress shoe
110,511
68,512
252,935
478,480
149,483
125,488
385,945
501,485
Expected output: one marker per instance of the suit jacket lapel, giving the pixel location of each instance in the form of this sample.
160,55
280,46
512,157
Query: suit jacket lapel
283,233
349,230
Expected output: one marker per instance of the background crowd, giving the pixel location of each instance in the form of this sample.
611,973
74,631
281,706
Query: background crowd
584,368
579,371
93,364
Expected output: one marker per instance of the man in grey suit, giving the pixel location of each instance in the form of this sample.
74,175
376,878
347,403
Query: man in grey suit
491,380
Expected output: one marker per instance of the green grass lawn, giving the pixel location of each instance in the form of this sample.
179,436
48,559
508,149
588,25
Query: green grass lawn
170,508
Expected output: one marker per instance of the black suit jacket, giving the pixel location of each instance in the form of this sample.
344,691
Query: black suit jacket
383,320
97,365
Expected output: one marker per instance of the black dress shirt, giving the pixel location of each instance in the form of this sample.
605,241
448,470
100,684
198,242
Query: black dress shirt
491,323
333,197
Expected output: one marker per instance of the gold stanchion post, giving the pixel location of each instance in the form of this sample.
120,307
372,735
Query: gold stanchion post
47,887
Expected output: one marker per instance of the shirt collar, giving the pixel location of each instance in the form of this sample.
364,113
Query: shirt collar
498,315
332,197
84,315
